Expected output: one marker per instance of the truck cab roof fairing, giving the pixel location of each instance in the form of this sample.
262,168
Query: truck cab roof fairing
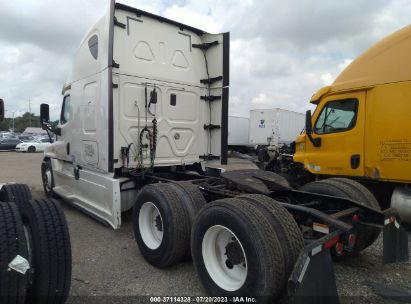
84,64
384,62
140,13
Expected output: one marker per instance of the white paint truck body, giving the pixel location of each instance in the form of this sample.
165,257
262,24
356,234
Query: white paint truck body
132,70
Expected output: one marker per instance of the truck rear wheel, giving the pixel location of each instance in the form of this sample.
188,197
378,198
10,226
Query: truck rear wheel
161,225
17,193
362,195
49,237
13,284
341,189
196,198
193,201
289,233
237,252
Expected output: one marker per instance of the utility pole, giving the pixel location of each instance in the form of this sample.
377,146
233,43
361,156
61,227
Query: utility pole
29,112
13,120
9,120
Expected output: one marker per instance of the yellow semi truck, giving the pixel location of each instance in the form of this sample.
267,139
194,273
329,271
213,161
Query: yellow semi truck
361,127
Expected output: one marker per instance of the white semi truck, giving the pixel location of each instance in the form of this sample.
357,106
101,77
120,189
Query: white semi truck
141,95
145,108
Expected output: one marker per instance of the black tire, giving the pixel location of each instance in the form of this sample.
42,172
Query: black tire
339,189
362,191
193,201
17,193
13,285
47,185
366,198
51,251
195,195
265,275
175,225
31,149
288,231
322,188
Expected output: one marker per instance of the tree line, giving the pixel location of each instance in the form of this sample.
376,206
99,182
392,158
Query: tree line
22,122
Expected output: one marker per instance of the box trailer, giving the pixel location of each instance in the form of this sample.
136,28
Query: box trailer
238,128
145,109
277,124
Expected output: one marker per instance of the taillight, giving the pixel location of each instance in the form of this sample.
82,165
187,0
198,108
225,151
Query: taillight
331,242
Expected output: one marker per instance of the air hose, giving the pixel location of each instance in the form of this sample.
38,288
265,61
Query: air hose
152,137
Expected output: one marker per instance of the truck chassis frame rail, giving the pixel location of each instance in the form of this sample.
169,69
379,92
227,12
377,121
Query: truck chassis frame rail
329,226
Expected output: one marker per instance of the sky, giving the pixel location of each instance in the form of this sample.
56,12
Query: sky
282,51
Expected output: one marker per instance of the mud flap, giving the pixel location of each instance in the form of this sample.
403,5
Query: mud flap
395,238
313,279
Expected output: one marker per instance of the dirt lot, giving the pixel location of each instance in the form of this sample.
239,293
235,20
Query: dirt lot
107,265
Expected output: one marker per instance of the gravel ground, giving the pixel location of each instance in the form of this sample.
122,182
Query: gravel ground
107,264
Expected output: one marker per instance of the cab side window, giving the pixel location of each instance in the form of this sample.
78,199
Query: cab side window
337,116
93,46
65,110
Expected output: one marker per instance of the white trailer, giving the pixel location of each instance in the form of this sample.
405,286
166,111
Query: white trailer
278,125
238,128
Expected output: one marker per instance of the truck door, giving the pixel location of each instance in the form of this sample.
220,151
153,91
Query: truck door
62,146
339,122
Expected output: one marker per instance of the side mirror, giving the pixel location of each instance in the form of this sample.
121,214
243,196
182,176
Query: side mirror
1,109
44,113
308,123
309,130
45,120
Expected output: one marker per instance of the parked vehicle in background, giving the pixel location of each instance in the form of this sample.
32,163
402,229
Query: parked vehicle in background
26,138
264,130
275,125
238,134
238,131
361,127
7,135
33,146
9,144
